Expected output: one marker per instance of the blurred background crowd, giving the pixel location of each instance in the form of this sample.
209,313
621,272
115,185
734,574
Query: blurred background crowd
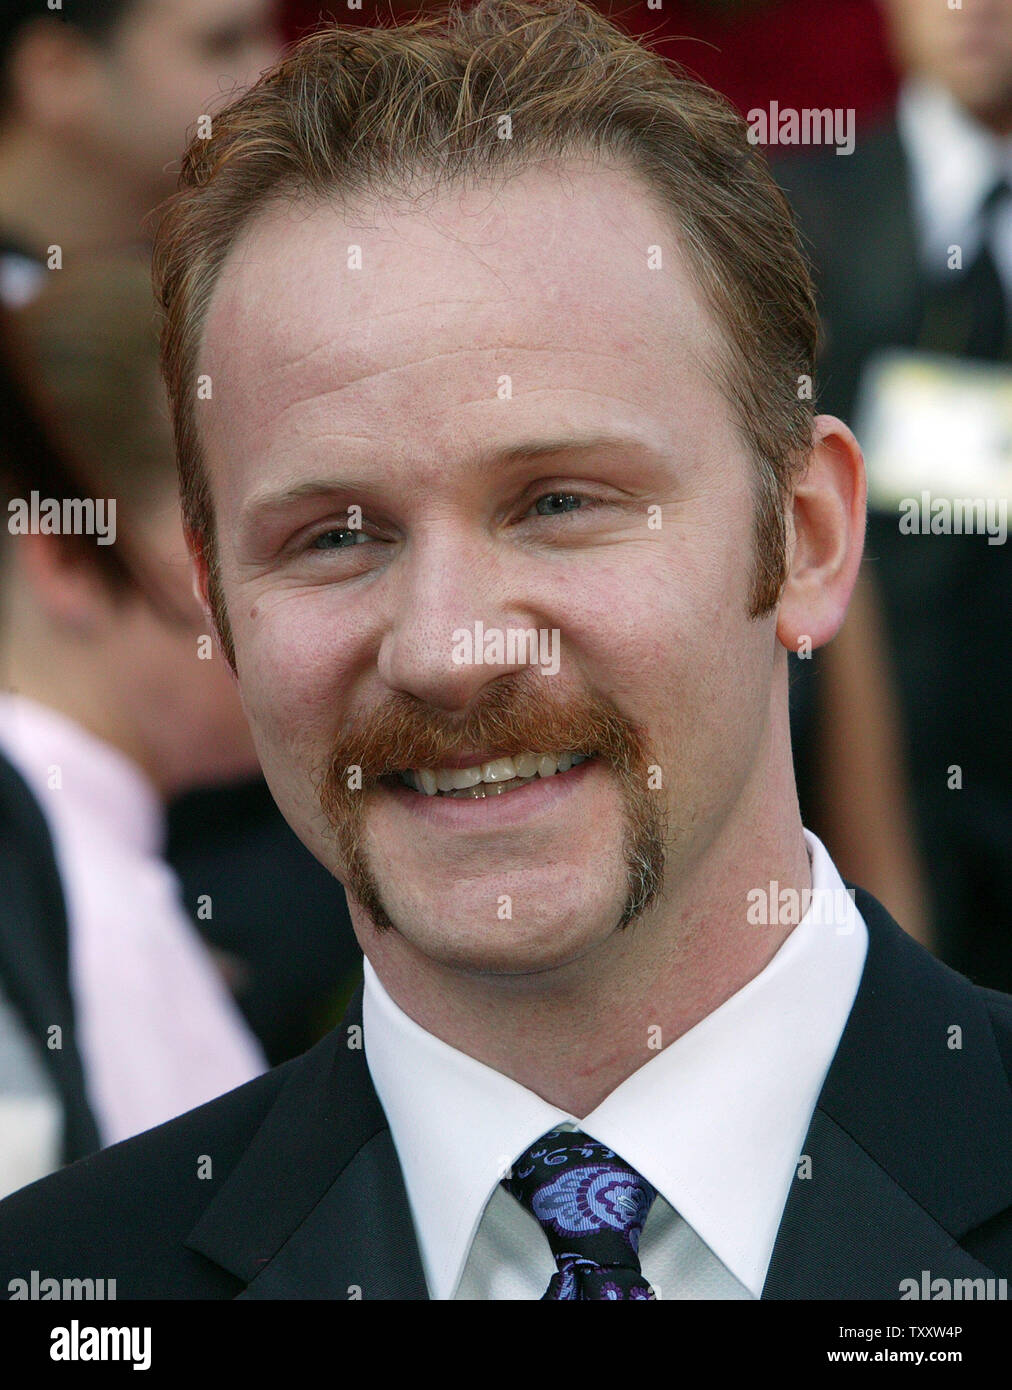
163,935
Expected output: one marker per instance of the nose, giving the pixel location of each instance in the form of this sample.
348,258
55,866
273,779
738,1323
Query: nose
445,587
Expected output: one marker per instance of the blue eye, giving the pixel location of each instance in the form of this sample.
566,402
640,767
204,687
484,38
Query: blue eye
324,540
570,502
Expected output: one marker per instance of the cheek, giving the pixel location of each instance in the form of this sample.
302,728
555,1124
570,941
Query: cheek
166,94
665,633
170,687
673,604
291,667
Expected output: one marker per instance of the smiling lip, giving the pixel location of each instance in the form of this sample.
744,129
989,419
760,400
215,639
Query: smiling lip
490,813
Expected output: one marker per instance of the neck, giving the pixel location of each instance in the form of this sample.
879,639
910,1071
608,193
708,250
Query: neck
72,689
51,196
997,122
573,1034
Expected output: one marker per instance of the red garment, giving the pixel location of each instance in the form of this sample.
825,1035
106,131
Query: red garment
800,53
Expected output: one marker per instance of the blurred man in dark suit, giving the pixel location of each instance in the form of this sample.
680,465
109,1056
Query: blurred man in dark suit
96,101
912,240
484,339
107,709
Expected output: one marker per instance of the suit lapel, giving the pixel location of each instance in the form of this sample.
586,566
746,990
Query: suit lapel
316,1208
908,1153
357,1243
34,952
908,1146
851,1232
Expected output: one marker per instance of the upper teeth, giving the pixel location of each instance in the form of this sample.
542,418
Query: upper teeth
445,779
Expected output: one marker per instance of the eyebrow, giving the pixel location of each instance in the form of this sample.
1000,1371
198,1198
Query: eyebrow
529,450
526,451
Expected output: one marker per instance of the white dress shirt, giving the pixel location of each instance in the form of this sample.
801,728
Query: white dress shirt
158,1030
716,1122
954,163
31,1112
21,279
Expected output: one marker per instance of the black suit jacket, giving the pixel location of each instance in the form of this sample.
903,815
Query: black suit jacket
946,599
34,954
910,1148
857,219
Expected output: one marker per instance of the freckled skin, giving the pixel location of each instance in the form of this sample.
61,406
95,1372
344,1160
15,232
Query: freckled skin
389,377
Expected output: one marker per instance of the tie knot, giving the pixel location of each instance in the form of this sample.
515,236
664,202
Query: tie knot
590,1203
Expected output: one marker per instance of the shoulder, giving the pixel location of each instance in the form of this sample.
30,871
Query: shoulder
805,175
845,203
923,982
922,1078
999,1009
125,1212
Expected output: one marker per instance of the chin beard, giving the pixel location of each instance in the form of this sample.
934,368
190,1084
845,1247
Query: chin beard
644,853
518,712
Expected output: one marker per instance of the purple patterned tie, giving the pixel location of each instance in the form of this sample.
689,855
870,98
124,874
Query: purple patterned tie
591,1205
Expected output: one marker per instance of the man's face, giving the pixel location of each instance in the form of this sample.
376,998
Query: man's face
168,63
477,324
968,50
179,692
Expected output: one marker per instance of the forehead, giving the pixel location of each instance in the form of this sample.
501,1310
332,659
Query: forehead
567,279
201,16
949,24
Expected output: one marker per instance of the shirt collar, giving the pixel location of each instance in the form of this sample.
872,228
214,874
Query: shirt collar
954,162
98,785
716,1121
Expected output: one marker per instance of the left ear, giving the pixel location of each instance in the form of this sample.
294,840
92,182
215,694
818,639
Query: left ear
199,569
826,537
